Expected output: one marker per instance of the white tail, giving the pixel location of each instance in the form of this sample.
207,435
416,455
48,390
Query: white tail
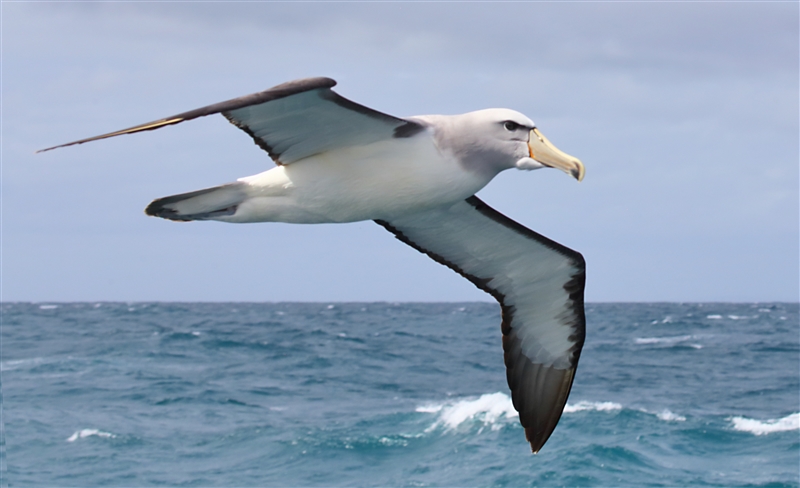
208,204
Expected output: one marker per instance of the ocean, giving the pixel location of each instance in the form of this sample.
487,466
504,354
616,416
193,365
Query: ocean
391,394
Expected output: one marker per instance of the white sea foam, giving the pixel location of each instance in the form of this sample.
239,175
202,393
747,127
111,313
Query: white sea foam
583,405
81,434
668,340
715,317
13,364
668,416
47,307
663,340
759,427
490,409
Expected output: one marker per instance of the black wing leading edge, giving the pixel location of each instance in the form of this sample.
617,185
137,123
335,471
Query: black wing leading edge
539,284
293,120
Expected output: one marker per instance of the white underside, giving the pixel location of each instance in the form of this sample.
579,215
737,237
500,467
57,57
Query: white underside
377,181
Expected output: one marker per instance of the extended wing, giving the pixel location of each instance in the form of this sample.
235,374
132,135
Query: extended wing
539,284
293,120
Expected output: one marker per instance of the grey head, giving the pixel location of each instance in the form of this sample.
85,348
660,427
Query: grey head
492,140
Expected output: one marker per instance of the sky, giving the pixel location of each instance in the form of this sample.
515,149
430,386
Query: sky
684,114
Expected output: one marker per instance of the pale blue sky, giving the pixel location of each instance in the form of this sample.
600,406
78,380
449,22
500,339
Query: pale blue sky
685,115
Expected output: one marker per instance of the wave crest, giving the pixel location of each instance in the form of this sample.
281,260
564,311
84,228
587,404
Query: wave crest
80,434
594,406
490,409
759,427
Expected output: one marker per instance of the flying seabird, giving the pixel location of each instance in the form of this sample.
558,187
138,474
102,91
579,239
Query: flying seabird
338,161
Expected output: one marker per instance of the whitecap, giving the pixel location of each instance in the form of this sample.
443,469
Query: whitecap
490,409
584,405
429,408
662,340
387,441
47,307
81,434
714,317
668,416
13,364
759,427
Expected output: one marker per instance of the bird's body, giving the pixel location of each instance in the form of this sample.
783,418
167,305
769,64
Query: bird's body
376,181
338,161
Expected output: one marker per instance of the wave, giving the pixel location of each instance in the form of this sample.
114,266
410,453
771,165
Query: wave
668,340
494,409
663,340
490,409
732,317
583,405
13,364
668,416
762,427
81,434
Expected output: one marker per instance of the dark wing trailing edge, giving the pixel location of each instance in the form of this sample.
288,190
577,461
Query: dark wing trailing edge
539,284
293,120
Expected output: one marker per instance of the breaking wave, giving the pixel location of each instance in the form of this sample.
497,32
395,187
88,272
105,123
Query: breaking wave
762,427
490,409
82,434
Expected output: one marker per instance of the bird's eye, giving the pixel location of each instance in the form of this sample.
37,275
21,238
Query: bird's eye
511,126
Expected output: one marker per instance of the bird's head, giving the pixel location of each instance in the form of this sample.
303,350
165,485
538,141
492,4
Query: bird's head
499,139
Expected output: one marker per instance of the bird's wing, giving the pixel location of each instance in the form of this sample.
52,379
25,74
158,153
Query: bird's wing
293,120
539,284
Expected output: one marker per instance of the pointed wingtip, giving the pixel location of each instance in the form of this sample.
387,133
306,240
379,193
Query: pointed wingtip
132,130
536,441
54,147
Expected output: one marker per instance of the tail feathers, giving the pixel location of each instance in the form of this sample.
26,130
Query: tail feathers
208,204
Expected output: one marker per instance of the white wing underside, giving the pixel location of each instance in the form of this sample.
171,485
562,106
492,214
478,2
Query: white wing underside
539,285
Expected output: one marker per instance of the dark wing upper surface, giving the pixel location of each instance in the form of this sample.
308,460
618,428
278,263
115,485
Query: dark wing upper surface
293,120
539,284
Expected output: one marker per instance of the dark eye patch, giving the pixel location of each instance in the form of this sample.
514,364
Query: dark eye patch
511,126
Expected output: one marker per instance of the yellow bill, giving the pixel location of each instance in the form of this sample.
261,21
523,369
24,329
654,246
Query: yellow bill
545,152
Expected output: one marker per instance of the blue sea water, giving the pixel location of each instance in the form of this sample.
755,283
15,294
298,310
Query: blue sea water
391,394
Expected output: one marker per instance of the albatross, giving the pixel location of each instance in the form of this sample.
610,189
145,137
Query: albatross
339,161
